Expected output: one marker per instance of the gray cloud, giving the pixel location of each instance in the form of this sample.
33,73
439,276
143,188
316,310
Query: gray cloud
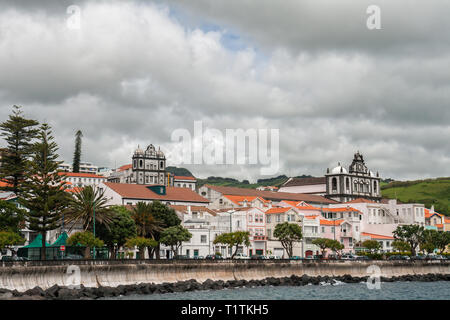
136,71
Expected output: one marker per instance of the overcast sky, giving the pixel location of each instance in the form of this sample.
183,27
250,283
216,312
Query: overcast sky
137,70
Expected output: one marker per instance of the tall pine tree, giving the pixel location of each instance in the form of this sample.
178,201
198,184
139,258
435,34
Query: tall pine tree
77,153
18,133
44,194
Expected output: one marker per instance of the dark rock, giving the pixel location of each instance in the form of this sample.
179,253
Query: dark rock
16,293
68,294
36,291
52,292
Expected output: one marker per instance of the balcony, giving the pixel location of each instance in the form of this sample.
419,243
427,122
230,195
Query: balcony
347,234
311,234
258,238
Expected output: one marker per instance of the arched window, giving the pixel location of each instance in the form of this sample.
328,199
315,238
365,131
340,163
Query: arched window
140,163
334,184
375,187
161,165
347,184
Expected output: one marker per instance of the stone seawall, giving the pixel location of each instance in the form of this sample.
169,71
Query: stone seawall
27,275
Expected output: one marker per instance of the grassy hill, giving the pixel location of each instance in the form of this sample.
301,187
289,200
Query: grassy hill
429,192
230,182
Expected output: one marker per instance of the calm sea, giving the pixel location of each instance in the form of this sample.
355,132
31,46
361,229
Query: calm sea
342,291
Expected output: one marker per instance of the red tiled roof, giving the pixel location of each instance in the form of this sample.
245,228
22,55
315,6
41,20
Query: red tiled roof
184,178
360,200
324,222
82,175
439,225
5,184
446,219
349,209
193,209
139,191
271,195
311,217
124,167
278,210
376,236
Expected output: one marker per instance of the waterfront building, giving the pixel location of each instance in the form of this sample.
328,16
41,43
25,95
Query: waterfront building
213,193
434,220
305,185
201,223
233,201
277,215
85,167
185,182
130,194
385,241
82,179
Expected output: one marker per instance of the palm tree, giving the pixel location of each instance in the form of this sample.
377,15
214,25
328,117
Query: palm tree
146,224
81,208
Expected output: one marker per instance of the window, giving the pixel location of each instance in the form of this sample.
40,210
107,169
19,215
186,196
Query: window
334,184
269,233
323,229
250,218
268,218
278,218
203,238
194,215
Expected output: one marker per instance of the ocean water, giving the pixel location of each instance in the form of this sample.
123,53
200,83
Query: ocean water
439,290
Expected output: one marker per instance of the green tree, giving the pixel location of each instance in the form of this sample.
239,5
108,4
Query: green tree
85,239
141,243
372,245
174,237
11,216
81,208
233,239
442,241
288,233
19,134
77,152
322,243
147,225
400,246
335,246
122,228
433,239
412,234
9,239
44,194
167,218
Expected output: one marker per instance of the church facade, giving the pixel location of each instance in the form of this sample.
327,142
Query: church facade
357,182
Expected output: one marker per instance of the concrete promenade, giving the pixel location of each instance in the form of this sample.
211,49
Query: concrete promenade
27,275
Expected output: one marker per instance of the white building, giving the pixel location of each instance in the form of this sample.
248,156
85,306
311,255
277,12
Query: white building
82,179
85,167
130,194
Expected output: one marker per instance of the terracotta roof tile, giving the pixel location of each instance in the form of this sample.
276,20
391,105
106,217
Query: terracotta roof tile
184,178
324,222
82,175
360,200
139,191
376,236
271,195
278,210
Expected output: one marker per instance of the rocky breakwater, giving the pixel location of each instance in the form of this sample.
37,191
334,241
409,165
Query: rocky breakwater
91,293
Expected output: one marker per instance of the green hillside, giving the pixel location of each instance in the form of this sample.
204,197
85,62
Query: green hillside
230,182
429,192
